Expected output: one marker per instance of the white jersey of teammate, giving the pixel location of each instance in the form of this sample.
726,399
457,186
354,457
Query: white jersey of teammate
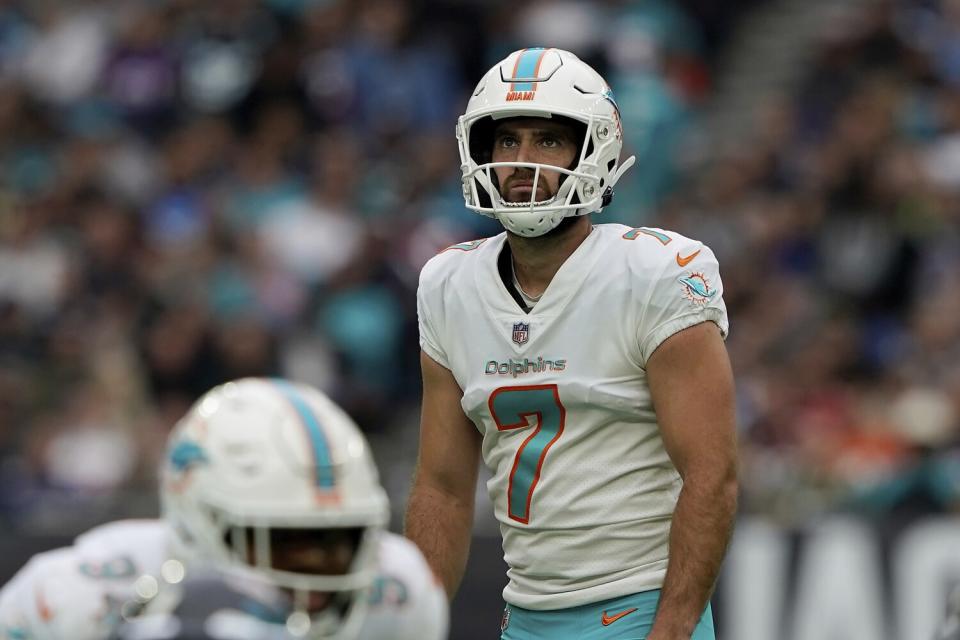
582,486
75,593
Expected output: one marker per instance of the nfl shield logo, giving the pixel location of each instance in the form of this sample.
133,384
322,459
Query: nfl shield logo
521,332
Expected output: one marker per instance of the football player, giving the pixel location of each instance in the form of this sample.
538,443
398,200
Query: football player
208,606
267,480
585,364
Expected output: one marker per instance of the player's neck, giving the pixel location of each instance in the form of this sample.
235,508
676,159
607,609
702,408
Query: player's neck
537,260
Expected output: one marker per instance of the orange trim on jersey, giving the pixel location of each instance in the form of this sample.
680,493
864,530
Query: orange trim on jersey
663,238
43,607
520,425
536,474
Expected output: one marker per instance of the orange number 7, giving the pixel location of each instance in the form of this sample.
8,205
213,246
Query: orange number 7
510,407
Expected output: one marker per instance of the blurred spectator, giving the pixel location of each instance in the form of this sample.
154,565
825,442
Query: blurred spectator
34,266
140,75
319,233
67,49
195,191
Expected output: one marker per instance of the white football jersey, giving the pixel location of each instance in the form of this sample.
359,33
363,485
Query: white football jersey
582,486
75,593
408,602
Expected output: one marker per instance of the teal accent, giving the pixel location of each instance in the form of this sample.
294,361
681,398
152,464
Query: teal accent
321,447
388,591
117,568
585,622
112,618
698,287
662,237
526,68
263,612
608,94
16,633
633,233
187,454
467,246
509,407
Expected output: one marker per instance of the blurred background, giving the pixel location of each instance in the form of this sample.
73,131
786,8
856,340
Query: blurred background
195,191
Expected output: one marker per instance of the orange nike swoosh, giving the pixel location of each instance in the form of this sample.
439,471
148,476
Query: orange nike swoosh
685,261
605,619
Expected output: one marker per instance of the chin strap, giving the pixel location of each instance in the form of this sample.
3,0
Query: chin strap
622,169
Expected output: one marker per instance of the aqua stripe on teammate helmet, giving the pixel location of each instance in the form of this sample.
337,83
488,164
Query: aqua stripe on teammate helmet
526,68
318,439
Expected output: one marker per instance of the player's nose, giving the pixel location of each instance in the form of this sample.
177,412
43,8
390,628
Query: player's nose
525,150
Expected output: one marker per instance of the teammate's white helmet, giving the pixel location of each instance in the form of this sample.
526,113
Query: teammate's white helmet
542,83
259,458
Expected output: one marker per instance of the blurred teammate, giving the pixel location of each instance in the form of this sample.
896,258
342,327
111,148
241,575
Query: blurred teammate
586,364
268,481
208,606
950,628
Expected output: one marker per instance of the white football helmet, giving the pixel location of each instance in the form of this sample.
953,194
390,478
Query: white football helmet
259,458
542,83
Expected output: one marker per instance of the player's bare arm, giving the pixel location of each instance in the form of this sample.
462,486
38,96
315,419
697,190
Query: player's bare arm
692,388
439,515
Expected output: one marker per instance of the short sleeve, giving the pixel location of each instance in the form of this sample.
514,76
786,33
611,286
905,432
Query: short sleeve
428,617
687,292
50,598
432,614
427,300
407,602
17,603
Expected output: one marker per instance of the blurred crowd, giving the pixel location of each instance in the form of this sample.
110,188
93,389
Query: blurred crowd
837,227
196,191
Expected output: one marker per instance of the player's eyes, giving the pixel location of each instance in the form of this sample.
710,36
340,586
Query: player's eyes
553,143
